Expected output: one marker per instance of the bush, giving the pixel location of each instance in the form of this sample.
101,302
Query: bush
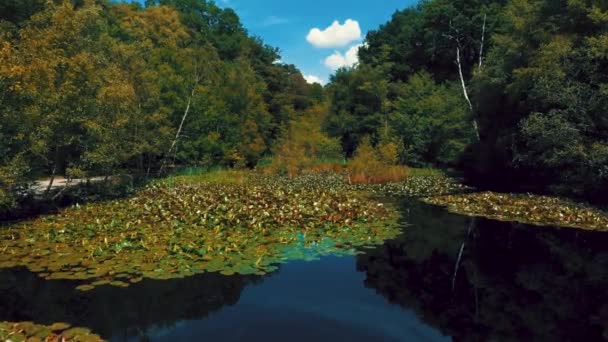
305,146
12,176
375,165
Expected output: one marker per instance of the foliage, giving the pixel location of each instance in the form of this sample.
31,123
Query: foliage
213,176
375,165
533,70
425,38
103,88
11,178
18,11
542,109
358,103
432,120
530,209
304,145
366,162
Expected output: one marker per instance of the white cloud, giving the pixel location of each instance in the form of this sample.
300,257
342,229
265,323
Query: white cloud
338,60
313,79
336,35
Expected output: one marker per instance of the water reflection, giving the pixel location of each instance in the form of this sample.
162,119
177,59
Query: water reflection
514,282
136,311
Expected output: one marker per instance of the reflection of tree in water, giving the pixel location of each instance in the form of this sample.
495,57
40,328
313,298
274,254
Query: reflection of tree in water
112,311
514,281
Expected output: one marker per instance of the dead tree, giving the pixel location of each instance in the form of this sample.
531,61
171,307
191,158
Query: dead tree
483,38
195,83
457,37
466,93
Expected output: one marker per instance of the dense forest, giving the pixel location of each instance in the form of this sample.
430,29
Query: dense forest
449,184
514,93
93,88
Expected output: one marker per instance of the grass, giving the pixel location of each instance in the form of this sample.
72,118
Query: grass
426,172
217,176
380,175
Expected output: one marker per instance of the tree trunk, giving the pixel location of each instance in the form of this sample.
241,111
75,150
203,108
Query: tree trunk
50,186
54,171
181,124
149,159
179,130
483,38
466,93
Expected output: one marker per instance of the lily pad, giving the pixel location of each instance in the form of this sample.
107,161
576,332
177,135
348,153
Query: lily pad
176,230
28,331
525,208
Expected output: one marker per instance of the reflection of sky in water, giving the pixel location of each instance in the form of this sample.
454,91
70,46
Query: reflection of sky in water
307,301
304,250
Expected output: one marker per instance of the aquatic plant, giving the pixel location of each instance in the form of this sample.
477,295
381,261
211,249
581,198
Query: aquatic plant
172,231
416,186
525,208
426,184
57,332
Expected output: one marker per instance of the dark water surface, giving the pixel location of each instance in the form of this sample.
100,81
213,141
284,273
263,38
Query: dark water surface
514,282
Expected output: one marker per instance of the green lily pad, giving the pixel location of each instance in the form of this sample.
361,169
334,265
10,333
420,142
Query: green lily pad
525,208
174,231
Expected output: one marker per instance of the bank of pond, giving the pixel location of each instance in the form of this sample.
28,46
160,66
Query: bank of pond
235,254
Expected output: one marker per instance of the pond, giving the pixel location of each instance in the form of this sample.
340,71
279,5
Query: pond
513,282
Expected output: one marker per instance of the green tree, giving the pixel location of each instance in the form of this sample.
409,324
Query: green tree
359,105
432,122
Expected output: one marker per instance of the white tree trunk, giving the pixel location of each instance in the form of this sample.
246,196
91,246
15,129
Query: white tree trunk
466,93
483,38
179,130
181,124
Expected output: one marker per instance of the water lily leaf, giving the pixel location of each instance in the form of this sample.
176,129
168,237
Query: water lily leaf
174,231
59,326
85,287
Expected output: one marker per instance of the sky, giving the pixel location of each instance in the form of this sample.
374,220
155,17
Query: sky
317,36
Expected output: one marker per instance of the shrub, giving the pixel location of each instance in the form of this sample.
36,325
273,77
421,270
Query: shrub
375,165
303,145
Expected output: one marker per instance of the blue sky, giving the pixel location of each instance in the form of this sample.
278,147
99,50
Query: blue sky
286,24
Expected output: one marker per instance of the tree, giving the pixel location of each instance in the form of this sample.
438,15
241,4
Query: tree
431,120
359,100
544,78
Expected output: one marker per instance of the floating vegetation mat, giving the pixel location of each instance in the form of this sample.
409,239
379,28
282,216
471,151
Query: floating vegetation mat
172,231
417,186
57,332
414,186
530,209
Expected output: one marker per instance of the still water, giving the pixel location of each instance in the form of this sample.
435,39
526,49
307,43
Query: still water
513,282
